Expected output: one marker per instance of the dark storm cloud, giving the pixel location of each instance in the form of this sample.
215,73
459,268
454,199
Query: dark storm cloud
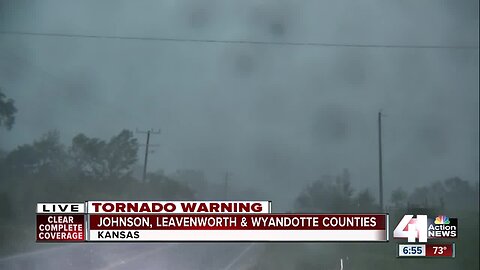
271,20
273,115
351,67
433,137
199,17
332,124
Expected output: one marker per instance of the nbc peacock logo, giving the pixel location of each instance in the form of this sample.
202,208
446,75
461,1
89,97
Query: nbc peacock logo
442,220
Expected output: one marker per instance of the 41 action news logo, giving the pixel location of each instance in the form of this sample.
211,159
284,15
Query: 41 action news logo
423,228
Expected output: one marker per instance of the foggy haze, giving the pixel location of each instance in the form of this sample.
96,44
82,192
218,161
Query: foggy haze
277,117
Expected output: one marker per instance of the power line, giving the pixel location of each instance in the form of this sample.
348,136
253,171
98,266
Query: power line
248,42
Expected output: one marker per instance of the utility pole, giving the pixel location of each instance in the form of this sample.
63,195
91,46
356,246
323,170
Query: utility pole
380,169
147,145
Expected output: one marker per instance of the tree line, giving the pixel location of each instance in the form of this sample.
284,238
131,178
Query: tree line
90,168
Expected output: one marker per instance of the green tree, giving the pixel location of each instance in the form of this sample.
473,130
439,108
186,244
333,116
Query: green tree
398,198
46,156
451,194
7,111
6,207
88,156
365,201
96,158
121,154
329,194
165,188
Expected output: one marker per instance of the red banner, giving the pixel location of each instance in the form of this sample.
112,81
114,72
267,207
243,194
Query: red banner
60,228
238,222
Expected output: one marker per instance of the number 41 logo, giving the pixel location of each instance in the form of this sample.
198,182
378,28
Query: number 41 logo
412,228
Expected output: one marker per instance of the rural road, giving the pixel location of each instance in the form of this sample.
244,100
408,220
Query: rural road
113,256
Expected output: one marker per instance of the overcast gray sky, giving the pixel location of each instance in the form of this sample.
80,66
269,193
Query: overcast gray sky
278,117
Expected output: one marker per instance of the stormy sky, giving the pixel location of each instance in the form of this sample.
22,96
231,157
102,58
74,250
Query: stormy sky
277,117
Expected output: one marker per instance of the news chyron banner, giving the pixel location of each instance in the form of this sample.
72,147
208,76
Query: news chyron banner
194,221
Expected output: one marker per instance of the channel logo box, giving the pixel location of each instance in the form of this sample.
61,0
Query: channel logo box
442,227
422,228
